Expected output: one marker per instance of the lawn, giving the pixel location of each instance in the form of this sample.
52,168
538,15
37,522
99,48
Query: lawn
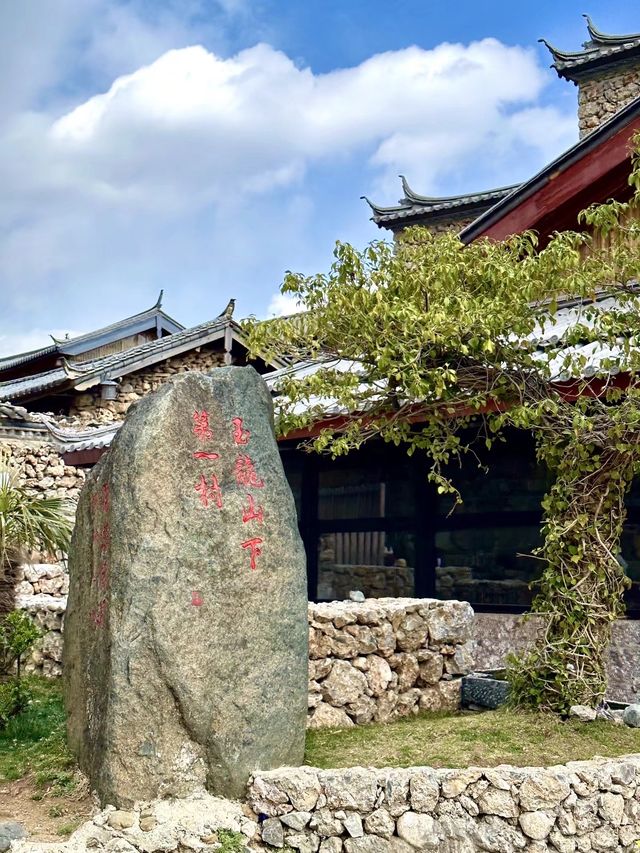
469,738
40,786
34,742
39,783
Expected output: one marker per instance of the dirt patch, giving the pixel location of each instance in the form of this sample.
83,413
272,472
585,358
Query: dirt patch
46,815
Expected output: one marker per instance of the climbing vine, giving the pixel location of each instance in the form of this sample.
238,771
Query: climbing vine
440,347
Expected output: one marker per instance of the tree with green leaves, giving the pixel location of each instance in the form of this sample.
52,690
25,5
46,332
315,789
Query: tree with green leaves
27,522
435,345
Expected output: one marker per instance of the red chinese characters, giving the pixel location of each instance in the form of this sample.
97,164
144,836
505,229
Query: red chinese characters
100,504
246,474
102,536
251,513
201,428
255,545
209,492
240,434
101,500
99,613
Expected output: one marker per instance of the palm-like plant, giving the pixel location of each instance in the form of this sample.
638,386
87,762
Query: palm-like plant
26,523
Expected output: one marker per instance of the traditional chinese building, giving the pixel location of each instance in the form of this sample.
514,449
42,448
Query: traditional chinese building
369,521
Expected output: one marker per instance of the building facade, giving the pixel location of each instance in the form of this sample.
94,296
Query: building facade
371,521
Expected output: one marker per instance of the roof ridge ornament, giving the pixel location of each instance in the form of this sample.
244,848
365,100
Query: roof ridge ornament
607,38
413,197
159,301
71,371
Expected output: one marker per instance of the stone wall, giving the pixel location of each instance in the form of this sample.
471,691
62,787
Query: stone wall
375,660
497,634
47,611
601,97
386,658
42,471
586,805
89,408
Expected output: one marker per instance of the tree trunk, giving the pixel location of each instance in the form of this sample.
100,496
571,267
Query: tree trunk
8,581
582,586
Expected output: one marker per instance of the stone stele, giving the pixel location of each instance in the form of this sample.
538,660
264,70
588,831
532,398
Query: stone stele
185,643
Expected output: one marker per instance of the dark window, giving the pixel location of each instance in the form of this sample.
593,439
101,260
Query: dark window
376,562
487,565
630,559
365,488
505,479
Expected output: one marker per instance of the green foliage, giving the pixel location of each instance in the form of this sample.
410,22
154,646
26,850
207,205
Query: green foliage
426,342
231,842
17,636
18,633
30,522
34,741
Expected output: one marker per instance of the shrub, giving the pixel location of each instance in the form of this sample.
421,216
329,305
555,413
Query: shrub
17,636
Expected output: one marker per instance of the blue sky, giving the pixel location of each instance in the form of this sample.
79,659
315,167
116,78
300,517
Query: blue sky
206,146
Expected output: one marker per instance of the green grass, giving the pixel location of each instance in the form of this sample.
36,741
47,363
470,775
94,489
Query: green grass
34,742
465,738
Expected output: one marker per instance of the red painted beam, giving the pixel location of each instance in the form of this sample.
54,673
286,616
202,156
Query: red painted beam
559,192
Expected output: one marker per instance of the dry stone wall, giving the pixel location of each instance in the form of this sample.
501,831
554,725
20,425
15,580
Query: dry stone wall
43,472
89,408
386,658
47,611
602,97
583,806
372,661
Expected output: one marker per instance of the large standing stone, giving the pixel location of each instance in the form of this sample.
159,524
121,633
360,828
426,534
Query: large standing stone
186,630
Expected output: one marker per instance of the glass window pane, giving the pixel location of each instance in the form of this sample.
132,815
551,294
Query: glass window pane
293,464
378,564
510,481
482,566
365,490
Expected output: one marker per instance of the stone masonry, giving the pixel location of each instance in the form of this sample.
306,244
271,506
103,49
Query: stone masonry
585,805
386,658
600,98
42,471
89,408
372,661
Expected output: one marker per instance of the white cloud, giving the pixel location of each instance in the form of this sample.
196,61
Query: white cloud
283,304
191,138
191,126
17,343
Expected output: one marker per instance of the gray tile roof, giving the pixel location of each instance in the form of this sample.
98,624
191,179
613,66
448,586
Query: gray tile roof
601,51
85,374
413,206
82,343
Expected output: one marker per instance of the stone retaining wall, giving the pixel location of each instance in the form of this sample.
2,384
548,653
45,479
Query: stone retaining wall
42,471
386,658
497,634
47,611
583,806
375,660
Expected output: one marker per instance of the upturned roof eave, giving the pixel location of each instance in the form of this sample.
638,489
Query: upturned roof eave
84,375
415,207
